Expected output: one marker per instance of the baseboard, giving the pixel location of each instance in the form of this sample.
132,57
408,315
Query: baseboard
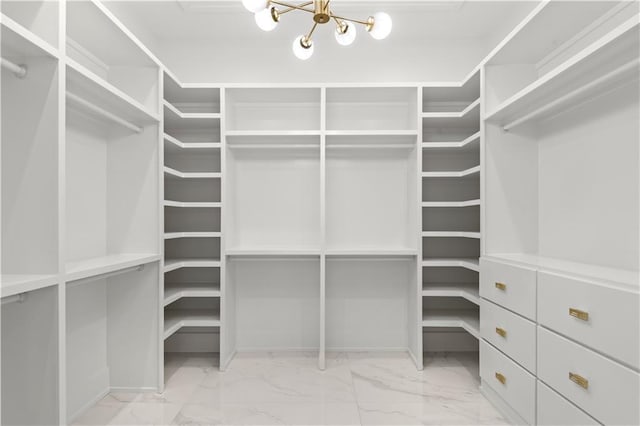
504,409
93,401
225,363
132,389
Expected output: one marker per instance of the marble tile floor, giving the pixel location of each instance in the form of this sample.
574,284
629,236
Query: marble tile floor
288,388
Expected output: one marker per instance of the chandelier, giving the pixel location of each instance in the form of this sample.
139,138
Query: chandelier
267,15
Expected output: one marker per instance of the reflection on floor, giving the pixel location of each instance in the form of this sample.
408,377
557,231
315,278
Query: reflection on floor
288,388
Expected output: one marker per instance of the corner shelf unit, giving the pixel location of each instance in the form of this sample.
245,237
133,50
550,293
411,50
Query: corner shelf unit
450,235
192,177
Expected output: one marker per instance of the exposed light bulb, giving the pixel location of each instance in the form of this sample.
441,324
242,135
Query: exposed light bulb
255,5
266,19
345,33
302,47
381,26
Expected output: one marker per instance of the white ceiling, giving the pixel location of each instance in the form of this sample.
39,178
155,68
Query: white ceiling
218,20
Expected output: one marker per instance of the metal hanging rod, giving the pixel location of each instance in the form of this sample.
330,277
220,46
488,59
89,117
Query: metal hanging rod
106,114
82,281
20,298
577,92
20,71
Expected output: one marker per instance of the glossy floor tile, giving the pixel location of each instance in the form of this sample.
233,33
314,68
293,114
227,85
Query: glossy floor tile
289,389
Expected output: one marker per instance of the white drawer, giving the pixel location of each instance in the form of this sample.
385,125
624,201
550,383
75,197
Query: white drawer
509,286
519,387
512,334
554,410
613,323
612,393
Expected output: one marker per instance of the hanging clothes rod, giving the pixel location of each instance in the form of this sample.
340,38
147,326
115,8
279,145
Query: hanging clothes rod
106,114
595,83
20,298
20,71
82,281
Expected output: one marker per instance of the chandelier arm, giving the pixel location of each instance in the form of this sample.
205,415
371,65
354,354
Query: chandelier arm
291,6
308,36
350,20
298,7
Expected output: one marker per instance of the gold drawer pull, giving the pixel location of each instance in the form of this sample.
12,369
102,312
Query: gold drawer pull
501,286
501,378
577,313
501,332
579,380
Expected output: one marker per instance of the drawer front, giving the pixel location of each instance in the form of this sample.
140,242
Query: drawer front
512,334
554,410
513,383
600,317
606,390
511,287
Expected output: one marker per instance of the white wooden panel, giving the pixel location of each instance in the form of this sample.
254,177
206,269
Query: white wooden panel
519,388
519,292
613,390
367,303
519,342
613,323
553,409
277,303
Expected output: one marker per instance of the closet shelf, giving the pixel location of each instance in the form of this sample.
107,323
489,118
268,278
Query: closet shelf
19,41
257,133
468,263
466,319
624,278
190,115
470,118
266,252
175,174
579,75
449,145
176,146
473,171
199,123
461,114
467,203
174,320
371,133
450,234
176,235
86,268
92,88
177,291
12,284
356,252
192,204
468,291
173,264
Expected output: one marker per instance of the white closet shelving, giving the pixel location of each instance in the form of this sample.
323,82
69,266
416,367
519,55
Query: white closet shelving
111,207
29,210
560,221
450,214
192,217
79,211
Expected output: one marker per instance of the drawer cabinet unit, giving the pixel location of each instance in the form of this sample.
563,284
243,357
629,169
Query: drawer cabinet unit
603,318
513,383
509,286
513,335
554,410
603,388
